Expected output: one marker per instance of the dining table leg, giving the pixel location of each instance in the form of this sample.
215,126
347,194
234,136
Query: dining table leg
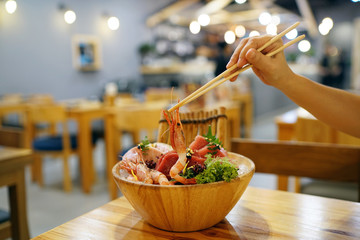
85,154
111,143
17,201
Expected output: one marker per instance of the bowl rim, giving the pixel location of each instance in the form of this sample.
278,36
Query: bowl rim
250,170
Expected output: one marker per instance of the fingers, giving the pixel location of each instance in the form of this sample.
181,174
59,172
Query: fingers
235,56
246,44
257,59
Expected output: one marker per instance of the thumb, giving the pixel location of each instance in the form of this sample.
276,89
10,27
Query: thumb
257,59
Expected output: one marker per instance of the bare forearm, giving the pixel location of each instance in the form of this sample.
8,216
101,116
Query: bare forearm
336,107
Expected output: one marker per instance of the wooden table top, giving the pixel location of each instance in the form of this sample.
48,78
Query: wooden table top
260,214
11,158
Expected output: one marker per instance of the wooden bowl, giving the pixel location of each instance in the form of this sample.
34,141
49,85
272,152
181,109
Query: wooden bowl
186,208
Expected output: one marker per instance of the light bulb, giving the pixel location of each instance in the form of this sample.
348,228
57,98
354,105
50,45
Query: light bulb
264,18
292,34
229,37
69,17
254,33
10,6
204,19
275,20
194,27
271,29
113,23
328,22
240,1
323,29
240,31
304,45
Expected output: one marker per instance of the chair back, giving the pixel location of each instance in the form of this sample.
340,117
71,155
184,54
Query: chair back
49,114
138,120
41,99
303,159
197,123
155,94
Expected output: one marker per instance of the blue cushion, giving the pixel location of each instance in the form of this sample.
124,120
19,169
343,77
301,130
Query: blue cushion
4,216
54,143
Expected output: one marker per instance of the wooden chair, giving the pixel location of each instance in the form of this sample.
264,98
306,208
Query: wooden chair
59,145
303,159
197,123
155,94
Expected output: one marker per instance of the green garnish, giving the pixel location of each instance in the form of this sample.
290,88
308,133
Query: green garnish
214,143
144,145
217,169
189,173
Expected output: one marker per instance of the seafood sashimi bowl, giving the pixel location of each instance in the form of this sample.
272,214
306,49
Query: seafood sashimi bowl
182,189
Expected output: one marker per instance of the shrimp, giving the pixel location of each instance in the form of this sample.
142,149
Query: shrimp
177,140
133,163
143,173
159,177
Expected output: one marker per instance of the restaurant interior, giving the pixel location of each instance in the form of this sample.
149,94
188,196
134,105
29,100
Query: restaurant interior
83,82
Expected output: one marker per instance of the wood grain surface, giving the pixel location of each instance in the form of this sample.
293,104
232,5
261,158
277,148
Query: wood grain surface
260,214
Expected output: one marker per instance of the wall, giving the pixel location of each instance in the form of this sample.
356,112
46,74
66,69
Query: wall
35,45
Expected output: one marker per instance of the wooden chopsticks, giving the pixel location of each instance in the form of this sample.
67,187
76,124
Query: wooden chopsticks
221,79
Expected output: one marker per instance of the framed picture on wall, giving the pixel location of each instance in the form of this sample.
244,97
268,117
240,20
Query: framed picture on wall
86,52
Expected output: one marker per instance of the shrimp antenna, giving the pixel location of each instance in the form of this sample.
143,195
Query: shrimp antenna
171,94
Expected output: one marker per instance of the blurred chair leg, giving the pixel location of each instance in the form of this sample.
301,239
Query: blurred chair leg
37,169
67,184
282,183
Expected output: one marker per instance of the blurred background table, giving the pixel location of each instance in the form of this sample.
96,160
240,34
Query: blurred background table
299,125
257,215
84,112
12,175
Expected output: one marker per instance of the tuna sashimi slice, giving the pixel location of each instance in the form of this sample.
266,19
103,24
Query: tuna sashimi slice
198,143
166,162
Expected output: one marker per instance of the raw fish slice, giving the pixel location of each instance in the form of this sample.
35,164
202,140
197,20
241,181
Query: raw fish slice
198,143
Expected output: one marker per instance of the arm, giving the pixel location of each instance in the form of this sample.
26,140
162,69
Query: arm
336,107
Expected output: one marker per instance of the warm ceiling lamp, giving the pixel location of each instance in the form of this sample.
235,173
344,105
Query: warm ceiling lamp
10,6
265,18
204,19
69,17
194,27
254,33
240,31
304,46
292,34
113,23
271,29
325,26
229,37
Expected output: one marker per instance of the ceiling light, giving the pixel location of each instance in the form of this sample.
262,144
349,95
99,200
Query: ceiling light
229,37
254,33
204,19
275,20
328,22
240,1
264,18
194,27
292,34
271,29
304,45
113,23
240,31
10,6
323,29
69,17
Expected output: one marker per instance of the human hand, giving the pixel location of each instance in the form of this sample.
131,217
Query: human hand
271,70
